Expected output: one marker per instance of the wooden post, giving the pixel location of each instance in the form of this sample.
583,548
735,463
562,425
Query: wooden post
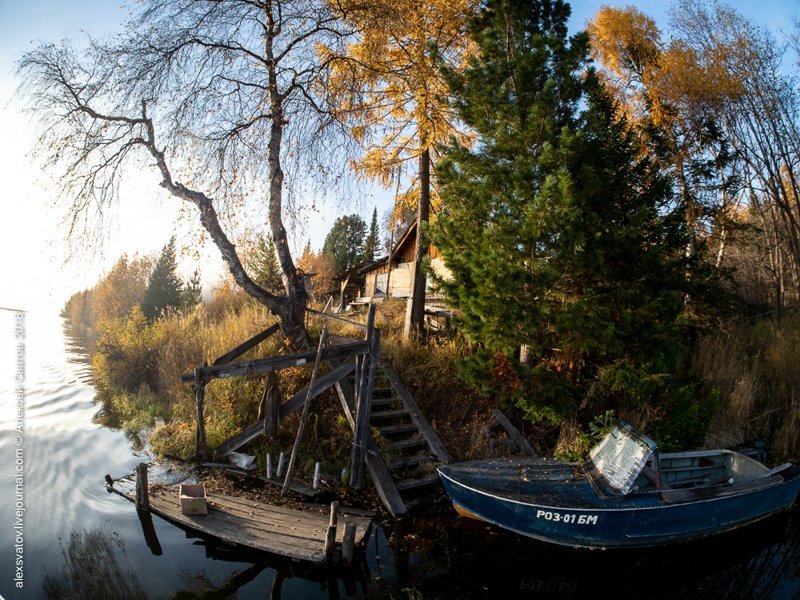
273,407
364,405
304,414
200,392
330,534
142,496
348,542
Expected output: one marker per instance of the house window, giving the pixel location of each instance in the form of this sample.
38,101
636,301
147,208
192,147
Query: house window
380,284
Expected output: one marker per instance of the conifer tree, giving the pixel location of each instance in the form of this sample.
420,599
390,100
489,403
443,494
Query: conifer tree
265,267
372,245
192,292
164,288
345,242
560,238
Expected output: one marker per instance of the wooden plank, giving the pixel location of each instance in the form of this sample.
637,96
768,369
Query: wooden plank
514,433
322,384
385,485
434,443
389,414
264,365
404,428
248,345
378,471
280,530
317,520
251,432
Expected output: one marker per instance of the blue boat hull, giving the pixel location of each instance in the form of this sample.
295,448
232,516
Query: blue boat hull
567,510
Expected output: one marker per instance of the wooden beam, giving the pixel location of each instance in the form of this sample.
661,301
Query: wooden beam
276,363
304,415
364,404
273,408
514,433
200,425
253,431
336,318
322,384
248,345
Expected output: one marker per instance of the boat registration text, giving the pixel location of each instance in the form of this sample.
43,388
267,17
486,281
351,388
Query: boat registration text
548,515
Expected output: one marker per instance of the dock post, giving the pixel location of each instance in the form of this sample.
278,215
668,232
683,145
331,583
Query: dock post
348,542
142,497
330,534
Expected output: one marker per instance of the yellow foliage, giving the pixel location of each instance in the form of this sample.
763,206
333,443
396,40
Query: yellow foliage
669,83
388,86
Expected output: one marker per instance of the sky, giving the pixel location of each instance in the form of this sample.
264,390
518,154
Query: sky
36,271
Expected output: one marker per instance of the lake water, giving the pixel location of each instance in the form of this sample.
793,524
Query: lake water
77,540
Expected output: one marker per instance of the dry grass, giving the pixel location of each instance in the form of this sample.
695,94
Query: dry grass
754,368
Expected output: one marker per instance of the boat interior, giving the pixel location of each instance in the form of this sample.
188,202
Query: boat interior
682,470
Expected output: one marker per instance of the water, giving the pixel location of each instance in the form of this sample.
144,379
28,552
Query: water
80,541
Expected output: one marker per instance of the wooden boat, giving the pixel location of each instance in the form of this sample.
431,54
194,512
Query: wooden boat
625,495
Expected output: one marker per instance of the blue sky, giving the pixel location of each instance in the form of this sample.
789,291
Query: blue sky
34,272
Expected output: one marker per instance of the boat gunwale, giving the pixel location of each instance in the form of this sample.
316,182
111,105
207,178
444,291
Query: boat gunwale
649,493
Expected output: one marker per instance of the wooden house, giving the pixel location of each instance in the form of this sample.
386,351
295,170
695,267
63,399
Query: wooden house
393,276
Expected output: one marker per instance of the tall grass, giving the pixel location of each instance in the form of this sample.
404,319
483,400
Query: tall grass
754,367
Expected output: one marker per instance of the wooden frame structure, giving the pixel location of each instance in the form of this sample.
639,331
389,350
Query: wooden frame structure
359,357
355,371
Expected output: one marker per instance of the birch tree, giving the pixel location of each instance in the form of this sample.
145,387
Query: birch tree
216,96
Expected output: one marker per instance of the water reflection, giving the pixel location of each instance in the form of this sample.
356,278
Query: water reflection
474,560
107,546
95,565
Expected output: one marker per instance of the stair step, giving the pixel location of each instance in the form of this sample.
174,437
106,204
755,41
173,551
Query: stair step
412,484
412,442
392,429
382,392
409,461
388,414
385,401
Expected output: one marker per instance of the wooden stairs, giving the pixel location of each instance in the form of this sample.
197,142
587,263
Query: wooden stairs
403,450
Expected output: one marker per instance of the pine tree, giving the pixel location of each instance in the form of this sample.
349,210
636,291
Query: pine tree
559,237
192,292
164,287
345,242
265,268
372,245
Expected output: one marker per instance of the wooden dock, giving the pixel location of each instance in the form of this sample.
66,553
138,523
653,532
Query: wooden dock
278,530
